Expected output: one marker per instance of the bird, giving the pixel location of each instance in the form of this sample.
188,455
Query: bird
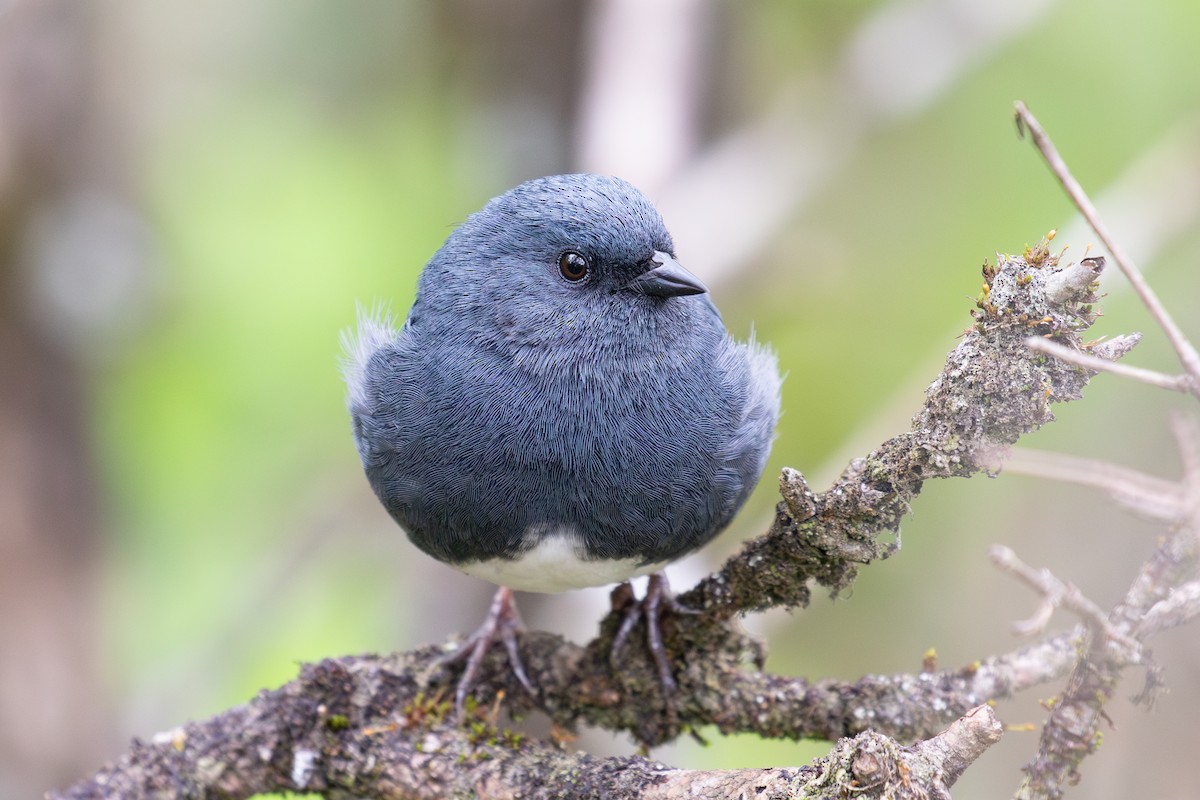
562,407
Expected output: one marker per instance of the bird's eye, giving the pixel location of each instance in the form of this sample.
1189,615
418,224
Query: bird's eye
573,266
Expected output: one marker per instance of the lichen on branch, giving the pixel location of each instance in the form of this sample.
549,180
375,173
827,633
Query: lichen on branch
380,727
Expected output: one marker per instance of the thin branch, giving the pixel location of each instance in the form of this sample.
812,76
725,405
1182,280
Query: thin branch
1164,592
1071,733
1175,383
1144,494
1057,593
1188,357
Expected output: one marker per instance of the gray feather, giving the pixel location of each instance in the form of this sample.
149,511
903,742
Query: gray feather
513,402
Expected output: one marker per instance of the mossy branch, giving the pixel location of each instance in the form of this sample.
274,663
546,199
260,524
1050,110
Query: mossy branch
368,724
381,726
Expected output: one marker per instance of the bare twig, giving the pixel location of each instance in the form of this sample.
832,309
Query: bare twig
1072,731
1176,557
1184,350
1175,383
1057,593
1144,494
1164,592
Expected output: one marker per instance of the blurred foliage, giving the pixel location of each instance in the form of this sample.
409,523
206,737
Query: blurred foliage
268,218
308,157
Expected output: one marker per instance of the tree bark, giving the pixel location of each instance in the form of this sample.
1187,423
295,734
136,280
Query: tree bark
382,727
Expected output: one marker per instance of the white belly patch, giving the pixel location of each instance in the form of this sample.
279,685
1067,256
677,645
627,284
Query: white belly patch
557,563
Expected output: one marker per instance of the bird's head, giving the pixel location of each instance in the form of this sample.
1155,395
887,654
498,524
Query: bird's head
567,258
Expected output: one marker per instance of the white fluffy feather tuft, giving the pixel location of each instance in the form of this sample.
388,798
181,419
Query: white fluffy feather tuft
376,328
764,377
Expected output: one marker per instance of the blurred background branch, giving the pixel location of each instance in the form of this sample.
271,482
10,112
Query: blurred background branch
70,249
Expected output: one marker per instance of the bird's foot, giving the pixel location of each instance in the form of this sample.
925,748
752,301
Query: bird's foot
502,624
657,601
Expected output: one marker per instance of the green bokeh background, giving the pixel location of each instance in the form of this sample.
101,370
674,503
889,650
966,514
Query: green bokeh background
303,158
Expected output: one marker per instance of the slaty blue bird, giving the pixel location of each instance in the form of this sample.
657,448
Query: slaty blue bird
562,407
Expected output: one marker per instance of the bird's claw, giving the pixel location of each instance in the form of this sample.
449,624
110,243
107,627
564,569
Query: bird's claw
658,599
502,623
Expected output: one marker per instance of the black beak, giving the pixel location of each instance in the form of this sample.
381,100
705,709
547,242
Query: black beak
666,278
